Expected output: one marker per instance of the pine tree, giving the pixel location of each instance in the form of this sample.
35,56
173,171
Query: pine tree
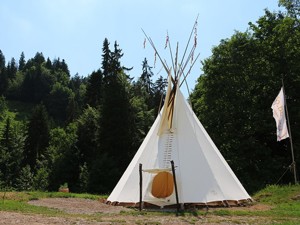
22,61
159,94
11,150
115,123
3,75
12,69
37,139
94,89
25,179
145,78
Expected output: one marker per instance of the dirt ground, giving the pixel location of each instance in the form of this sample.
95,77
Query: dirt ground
86,212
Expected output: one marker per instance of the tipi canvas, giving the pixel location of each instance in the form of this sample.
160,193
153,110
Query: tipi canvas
203,177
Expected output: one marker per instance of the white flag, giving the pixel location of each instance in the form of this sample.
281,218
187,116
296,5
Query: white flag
279,116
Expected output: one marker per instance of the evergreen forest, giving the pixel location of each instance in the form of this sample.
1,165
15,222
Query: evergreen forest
58,128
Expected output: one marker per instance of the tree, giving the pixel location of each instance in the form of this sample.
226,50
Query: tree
64,158
11,150
11,69
94,89
2,61
72,110
142,101
115,122
48,64
88,147
232,98
58,101
58,65
3,108
83,178
78,86
38,82
87,131
106,59
39,58
146,76
22,61
292,6
25,180
37,139
3,75
159,94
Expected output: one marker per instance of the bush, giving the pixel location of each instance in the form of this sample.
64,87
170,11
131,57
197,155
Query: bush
25,181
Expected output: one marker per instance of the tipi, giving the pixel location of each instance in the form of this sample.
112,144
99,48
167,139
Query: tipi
203,177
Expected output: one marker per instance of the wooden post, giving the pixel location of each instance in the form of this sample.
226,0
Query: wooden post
141,186
290,136
175,183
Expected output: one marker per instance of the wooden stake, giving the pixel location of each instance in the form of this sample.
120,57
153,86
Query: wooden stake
176,191
141,186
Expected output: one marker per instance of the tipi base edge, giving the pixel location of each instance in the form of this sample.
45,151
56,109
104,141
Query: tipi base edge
225,203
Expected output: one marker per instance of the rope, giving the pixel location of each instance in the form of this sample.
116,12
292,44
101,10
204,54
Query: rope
289,168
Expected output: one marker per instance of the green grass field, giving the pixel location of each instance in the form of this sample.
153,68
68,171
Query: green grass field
272,205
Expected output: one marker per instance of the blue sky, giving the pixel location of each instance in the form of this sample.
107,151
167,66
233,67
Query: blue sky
74,30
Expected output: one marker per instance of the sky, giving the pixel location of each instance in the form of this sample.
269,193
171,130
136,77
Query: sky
74,30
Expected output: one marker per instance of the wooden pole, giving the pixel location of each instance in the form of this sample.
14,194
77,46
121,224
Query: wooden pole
290,135
176,191
141,186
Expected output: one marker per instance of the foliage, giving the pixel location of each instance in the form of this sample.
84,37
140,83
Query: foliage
115,123
94,89
65,157
25,180
65,185
83,178
11,150
58,100
84,130
37,139
292,6
233,97
41,179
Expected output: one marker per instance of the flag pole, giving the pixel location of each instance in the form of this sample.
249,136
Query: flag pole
290,135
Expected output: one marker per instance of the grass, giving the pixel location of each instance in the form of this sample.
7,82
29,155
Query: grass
274,194
281,205
273,205
27,196
17,201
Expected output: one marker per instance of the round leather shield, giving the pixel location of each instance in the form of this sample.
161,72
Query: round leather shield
162,185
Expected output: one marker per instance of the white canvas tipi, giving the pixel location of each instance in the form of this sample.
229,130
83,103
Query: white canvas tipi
203,177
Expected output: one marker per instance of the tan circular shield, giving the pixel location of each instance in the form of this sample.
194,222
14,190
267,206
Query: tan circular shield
162,185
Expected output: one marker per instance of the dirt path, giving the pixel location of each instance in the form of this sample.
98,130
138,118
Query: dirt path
12,218
78,205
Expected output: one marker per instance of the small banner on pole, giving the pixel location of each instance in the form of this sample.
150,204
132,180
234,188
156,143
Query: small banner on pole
278,107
